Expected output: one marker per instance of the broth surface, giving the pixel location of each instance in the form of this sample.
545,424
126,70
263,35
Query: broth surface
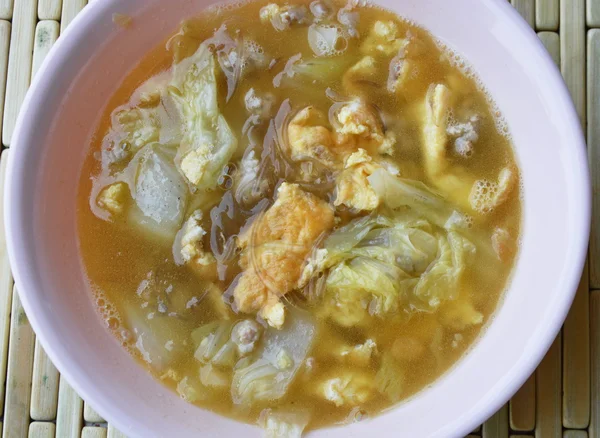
360,361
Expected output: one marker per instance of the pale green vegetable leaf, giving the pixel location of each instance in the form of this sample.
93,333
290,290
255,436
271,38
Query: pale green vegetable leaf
390,379
388,263
260,377
399,192
213,340
208,142
159,191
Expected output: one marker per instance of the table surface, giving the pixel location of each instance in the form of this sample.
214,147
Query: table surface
562,398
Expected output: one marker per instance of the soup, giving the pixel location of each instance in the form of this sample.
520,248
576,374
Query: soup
299,214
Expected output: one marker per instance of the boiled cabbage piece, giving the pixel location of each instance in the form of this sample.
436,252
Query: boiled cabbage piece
388,263
159,191
208,142
267,375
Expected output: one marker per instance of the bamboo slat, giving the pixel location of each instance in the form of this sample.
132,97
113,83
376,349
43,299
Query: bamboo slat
575,434
18,380
46,33
49,9
497,425
6,284
522,407
90,415
4,45
6,9
527,10
69,418
44,389
593,13
551,41
547,14
593,138
595,371
69,11
576,359
41,429
548,392
572,49
93,432
19,63
113,432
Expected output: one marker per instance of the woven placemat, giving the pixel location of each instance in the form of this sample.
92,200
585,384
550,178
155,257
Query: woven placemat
562,398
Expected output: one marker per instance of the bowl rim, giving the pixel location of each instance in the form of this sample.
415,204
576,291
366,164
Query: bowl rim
14,231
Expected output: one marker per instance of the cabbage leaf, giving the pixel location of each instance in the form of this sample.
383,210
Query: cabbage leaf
261,378
208,142
388,263
159,191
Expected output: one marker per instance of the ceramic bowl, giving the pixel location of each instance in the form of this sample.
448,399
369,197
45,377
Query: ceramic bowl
52,137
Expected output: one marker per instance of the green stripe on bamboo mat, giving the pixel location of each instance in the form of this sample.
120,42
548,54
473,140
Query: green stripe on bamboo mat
49,9
593,138
19,63
547,14
18,380
93,432
595,371
42,429
46,34
44,388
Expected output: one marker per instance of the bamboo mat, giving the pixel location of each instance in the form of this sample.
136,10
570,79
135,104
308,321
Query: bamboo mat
562,398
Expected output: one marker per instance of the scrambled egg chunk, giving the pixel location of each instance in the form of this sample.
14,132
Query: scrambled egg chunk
460,314
359,355
113,198
481,196
353,187
364,127
308,138
383,39
277,243
357,126
350,388
191,241
195,163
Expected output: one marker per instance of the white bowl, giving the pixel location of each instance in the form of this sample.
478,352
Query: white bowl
53,135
